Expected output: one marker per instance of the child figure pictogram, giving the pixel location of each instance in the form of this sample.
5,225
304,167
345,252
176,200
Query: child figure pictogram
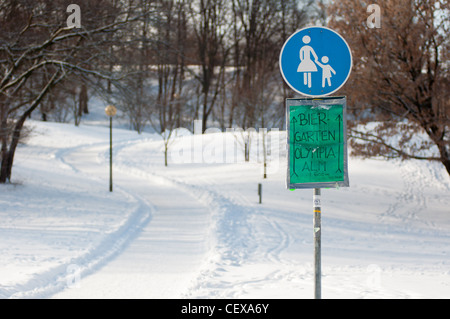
326,70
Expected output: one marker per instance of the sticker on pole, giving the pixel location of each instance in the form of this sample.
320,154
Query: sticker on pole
315,61
317,142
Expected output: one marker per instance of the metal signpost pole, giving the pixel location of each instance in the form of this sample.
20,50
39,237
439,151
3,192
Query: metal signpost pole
110,155
110,111
317,245
317,154
260,192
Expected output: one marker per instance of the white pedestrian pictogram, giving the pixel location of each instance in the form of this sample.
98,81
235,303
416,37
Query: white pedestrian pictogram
326,71
307,65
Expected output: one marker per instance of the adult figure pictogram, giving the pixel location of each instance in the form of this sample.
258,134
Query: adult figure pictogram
306,63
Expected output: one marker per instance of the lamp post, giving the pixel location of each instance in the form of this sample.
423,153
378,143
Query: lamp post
110,111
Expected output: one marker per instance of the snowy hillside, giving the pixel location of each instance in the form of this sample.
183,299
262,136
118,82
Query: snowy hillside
196,230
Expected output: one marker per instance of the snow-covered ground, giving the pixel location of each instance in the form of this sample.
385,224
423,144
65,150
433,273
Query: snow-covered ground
195,229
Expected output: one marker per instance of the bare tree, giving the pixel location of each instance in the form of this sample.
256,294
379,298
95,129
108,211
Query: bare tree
400,78
261,28
170,68
36,42
210,26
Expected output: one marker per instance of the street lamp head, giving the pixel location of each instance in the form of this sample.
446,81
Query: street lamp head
110,110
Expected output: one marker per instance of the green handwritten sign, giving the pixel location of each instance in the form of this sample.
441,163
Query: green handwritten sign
317,143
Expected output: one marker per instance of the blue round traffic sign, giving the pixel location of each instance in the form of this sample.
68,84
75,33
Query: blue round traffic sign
315,61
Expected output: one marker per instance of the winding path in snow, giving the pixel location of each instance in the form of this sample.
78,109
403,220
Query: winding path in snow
235,242
203,242
165,254
193,231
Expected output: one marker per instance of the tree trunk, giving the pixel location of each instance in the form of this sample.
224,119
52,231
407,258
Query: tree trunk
247,150
165,156
446,163
445,156
264,132
4,161
83,101
8,155
7,160
436,134
4,150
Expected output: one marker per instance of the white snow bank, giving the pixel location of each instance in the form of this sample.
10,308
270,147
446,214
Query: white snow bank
386,236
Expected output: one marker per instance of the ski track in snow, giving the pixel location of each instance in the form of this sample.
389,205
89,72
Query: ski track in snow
239,246
54,280
225,248
120,156
413,199
231,214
